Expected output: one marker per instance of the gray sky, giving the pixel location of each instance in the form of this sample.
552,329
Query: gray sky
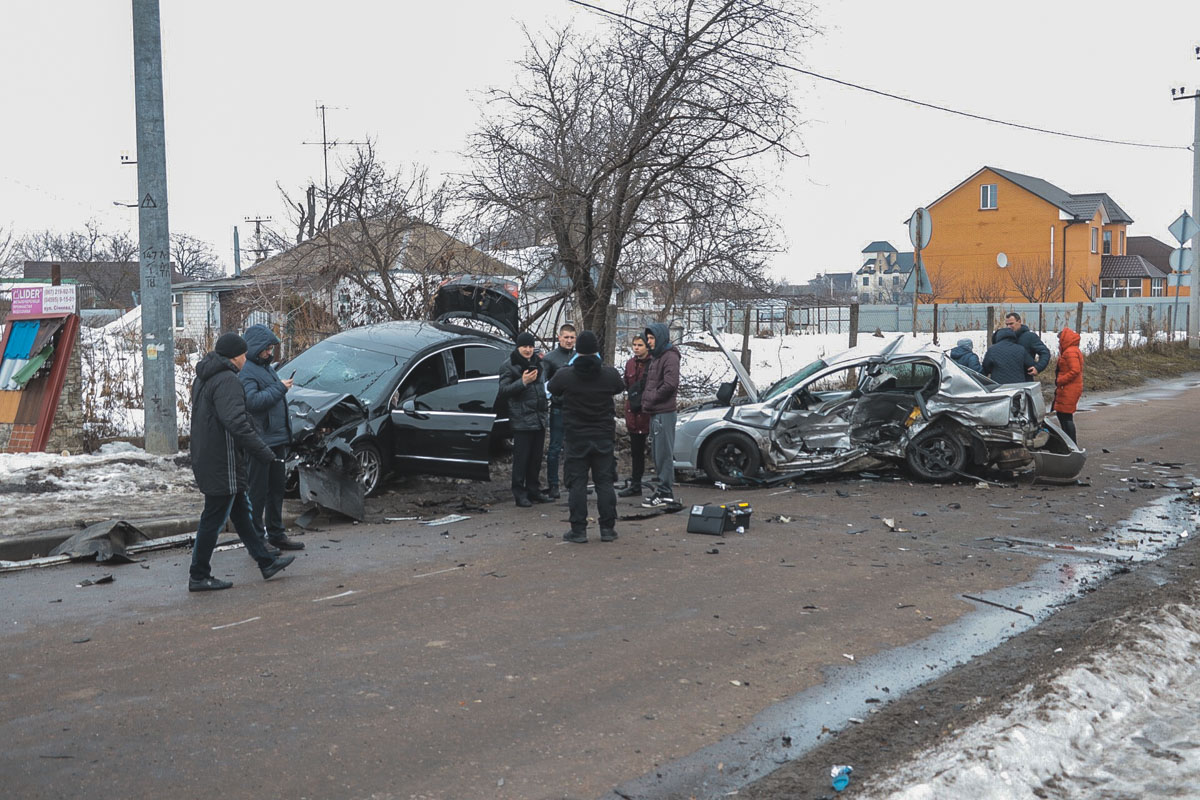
242,80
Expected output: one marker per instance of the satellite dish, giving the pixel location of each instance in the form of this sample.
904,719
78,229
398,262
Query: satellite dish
1001,260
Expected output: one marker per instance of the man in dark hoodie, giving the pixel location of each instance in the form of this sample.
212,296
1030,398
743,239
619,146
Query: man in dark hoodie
1038,352
221,433
266,401
658,400
586,388
1006,361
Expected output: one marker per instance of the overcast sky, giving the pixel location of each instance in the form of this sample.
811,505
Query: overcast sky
242,80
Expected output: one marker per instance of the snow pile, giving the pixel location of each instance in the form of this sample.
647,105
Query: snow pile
112,379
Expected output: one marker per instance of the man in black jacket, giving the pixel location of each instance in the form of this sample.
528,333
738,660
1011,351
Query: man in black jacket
1038,352
552,362
586,388
221,431
1006,361
266,402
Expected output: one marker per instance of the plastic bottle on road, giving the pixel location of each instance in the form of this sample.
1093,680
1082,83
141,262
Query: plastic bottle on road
840,773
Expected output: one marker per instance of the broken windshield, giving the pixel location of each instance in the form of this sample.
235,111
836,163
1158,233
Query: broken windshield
333,367
784,384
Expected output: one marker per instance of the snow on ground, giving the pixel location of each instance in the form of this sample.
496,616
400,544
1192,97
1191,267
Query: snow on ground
45,490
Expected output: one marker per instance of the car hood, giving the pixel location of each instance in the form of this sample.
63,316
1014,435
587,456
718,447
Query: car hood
312,409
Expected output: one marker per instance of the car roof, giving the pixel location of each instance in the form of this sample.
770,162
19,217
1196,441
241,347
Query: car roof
405,337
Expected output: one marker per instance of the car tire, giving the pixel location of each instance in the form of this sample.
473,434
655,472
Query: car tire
936,456
370,466
730,456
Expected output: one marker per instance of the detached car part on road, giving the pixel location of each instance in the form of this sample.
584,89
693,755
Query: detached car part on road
408,396
886,402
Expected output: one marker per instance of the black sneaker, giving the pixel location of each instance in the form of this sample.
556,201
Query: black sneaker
577,538
524,502
284,543
276,566
659,501
609,535
209,584
270,548
633,490
553,493
538,497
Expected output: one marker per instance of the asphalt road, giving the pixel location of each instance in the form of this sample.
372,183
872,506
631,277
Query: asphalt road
487,658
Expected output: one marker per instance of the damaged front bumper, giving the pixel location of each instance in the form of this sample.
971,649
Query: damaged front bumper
323,427
1060,459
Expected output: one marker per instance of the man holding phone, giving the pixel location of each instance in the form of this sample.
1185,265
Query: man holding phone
266,402
523,390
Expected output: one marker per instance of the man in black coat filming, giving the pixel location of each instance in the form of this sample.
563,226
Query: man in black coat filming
586,387
221,435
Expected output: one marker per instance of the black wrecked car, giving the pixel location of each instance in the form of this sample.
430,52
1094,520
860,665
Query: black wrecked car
406,396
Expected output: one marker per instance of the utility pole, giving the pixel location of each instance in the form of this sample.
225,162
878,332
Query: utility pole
1194,299
260,252
326,145
154,244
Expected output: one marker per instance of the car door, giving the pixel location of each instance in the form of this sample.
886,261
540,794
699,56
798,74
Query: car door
442,412
814,417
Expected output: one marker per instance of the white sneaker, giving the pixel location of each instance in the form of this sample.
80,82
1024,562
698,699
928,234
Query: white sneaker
659,501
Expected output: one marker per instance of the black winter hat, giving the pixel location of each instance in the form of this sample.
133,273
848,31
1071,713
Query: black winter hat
230,345
587,344
526,340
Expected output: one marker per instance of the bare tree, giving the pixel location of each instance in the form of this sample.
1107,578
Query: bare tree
1034,279
680,97
194,258
1090,289
986,287
10,265
942,280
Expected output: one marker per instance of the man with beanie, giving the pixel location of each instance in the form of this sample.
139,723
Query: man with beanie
266,402
586,388
658,400
221,431
963,354
552,362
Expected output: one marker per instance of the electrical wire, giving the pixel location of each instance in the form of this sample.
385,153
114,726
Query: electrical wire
893,96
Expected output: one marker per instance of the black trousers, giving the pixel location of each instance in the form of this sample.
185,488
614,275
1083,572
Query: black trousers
218,509
266,494
527,461
599,459
637,441
1067,423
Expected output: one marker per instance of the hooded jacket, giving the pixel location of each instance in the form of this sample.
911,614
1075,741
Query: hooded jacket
1068,375
266,396
635,372
585,389
1033,344
1006,361
662,378
552,362
526,403
963,354
221,429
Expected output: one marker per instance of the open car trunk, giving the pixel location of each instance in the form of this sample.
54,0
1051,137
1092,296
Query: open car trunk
486,298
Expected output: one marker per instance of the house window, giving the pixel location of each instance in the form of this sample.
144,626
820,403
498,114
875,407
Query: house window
1108,243
1158,287
1121,287
866,280
1123,243
987,196
1095,238
177,308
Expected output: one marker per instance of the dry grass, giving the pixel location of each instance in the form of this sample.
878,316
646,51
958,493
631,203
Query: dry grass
1124,367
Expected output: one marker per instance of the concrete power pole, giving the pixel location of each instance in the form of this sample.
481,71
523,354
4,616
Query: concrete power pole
1194,299
154,245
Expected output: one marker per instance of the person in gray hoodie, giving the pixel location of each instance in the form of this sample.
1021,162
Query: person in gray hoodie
658,400
266,402
963,354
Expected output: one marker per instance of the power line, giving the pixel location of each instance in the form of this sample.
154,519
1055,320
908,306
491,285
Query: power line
893,96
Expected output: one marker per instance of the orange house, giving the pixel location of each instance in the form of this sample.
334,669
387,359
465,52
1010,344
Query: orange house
1001,236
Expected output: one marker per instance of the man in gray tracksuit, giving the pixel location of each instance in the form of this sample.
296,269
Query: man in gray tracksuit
658,400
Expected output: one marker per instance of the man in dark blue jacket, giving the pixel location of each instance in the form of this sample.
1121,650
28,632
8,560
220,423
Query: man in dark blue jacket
1006,361
221,435
266,402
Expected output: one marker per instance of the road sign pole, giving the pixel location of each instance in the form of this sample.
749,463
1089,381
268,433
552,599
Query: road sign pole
1194,300
154,247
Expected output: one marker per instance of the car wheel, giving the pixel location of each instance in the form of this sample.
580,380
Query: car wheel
370,466
936,456
731,456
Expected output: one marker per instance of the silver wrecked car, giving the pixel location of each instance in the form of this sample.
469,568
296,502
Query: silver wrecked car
885,402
